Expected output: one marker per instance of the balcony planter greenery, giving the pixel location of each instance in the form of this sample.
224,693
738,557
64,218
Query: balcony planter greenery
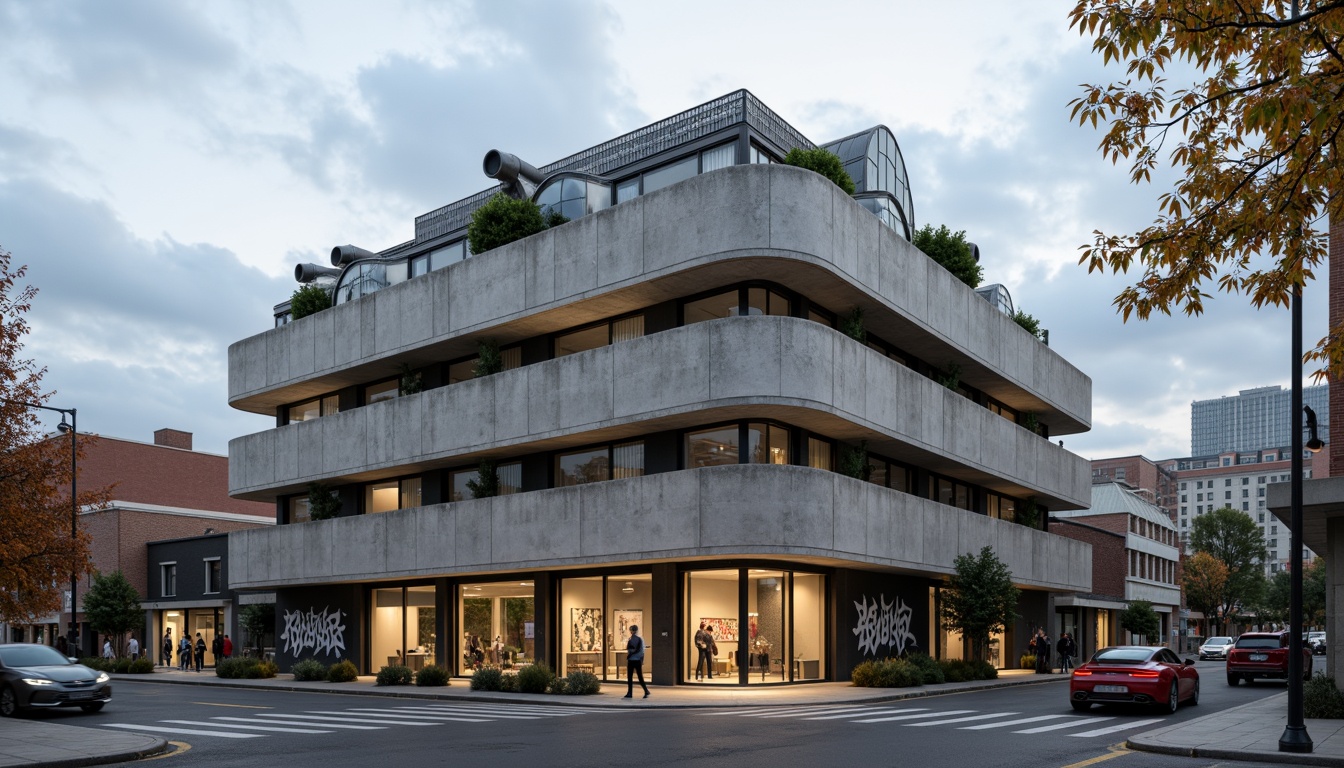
852,326
823,162
853,461
412,382
323,503
308,300
488,359
952,251
502,220
486,483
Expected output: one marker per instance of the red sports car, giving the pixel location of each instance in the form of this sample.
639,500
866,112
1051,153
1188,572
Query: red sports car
1134,674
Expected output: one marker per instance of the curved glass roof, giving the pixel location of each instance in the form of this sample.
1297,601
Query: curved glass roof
873,160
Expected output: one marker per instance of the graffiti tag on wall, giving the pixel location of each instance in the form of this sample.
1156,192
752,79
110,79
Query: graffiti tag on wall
882,624
320,631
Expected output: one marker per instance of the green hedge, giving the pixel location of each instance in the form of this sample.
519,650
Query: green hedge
342,672
1321,699
394,674
309,670
486,679
432,675
919,669
246,669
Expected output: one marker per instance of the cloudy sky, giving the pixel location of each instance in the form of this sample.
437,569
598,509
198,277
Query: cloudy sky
163,165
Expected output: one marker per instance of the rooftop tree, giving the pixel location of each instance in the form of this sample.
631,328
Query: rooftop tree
952,250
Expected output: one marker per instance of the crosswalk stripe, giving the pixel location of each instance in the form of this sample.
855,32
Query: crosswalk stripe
717,712
245,727
866,712
450,714
1114,728
795,711
915,717
335,718
1036,719
524,708
188,731
1070,724
959,720
301,723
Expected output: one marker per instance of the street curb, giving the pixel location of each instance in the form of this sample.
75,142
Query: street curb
1139,743
585,701
159,747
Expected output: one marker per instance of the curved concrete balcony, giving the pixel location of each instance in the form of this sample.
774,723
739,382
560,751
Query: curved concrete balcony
788,369
767,222
764,511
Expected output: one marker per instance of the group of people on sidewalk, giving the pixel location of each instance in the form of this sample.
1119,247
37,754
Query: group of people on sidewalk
1040,646
189,652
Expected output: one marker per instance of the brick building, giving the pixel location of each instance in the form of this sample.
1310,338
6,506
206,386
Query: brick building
1135,556
1154,482
160,490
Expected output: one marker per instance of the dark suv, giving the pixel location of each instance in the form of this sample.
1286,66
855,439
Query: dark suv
1264,655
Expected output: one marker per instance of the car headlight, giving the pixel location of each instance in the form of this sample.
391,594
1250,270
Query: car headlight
38,681
103,677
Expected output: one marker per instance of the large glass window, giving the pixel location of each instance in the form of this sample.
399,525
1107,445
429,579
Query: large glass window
721,156
776,636
579,341
403,627
711,447
670,174
298,510
809,626
383,390
498,625
315,408
392,494
627,190
712,627
819,453
510,481
767,444
448,254
710,308
761,301
593,465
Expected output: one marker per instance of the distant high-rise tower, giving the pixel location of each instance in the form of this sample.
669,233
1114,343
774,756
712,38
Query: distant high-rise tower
1251,420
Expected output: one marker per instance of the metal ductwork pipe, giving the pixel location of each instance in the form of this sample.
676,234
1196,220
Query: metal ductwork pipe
975,252
519,178
307,273
344,254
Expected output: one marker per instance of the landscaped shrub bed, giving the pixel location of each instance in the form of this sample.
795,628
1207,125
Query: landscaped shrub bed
919,669
309,670
432,675
342,672
141,666
1321,699
246,669
394,674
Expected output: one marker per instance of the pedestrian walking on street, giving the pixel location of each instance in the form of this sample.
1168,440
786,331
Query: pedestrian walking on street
167,647
200,651
107,649
1039,644
1067,650
184,653
133,648
217,647
228,647
634,663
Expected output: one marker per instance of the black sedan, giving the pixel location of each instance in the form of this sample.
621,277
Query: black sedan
39,676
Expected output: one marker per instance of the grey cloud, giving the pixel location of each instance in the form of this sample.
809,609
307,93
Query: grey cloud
548,91
129,328
101,49
24,152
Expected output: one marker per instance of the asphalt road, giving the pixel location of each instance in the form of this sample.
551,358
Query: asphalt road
1020,726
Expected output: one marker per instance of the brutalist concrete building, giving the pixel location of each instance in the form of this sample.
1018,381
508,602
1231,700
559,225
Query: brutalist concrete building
677,401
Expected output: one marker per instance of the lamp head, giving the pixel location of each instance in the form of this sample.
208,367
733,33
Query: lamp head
1315,444
63,427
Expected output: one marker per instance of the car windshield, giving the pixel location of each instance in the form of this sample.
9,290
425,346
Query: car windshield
1257,642
1315,635
31,656
1122,655
1218,641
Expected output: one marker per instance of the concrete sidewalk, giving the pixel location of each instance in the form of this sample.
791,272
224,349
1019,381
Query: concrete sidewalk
1249,732
26,742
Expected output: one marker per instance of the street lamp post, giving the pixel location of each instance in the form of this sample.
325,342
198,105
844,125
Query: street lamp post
73,431
1295,737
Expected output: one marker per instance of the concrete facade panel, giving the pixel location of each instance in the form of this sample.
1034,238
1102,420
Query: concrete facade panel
484,289
576,256
539,269
743,364
643,383
802,209
620,243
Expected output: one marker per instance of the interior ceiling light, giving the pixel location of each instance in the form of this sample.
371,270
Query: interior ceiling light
628,588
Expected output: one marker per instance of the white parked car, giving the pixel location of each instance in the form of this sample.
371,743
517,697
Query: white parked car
1215,648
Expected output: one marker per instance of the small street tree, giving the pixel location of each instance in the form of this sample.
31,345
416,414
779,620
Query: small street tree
1140,619
1205,581
112,607
979,599
1313,593
1272,607
38,555
1232,537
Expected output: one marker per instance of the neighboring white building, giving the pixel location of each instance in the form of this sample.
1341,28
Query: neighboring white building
1252,419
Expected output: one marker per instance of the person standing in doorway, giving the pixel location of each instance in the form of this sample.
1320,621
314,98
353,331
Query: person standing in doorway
200,651
184,653
228,647
1067,649
634,663
704,661
133,648
167,647
1038,646
217,647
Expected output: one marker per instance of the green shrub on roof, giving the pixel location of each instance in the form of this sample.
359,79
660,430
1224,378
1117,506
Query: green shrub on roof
824,162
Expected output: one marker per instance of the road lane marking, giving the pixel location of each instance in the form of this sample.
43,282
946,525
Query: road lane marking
309,724
1115,750
1114,728
796,711
179,748
1014,722
565,711
916,717
169,729
959,720
866,712
341,717
447,715
1070,724
245,727
239,706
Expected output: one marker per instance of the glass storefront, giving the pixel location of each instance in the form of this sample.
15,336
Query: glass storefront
753,626
187,621
402,627
596,613
497,621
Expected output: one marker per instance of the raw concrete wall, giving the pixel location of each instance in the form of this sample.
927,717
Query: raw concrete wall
758,366
715,512
792,224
